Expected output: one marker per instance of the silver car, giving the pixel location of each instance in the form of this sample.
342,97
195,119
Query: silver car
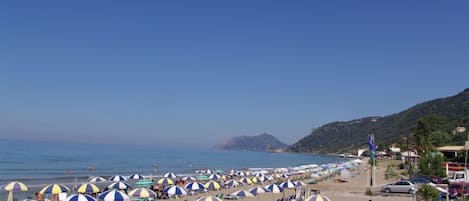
399,187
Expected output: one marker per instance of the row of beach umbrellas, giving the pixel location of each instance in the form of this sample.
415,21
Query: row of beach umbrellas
116,195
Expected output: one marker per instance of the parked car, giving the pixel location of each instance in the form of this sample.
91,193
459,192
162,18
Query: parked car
422,180
455,189
403,186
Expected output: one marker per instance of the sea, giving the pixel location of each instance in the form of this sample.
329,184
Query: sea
40,163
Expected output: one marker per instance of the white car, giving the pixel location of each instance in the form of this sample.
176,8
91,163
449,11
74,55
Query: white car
402,186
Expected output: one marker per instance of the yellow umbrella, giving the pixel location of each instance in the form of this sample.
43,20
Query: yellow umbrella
88,188
14,186
54,189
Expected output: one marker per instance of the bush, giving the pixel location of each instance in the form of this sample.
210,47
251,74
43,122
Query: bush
427,193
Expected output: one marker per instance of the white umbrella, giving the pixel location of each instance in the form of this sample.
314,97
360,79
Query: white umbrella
113,195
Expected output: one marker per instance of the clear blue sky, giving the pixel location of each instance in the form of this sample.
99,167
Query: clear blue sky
196,72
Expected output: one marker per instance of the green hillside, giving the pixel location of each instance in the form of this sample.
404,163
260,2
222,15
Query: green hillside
339,137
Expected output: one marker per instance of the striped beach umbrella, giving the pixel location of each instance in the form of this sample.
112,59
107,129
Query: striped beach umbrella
231,183
299,183
144,183
232,172
117,178
258,190
170,175
80,197
201,177
242,193
142,193
136,176
245,180
209,198
259,174
88,188
96,179
113,195
119,185
274,188
240,173
256,180
165,181
212,185
54,189
287,184
188,178
214,177
15,186
194,186
317,197
175,190
208,171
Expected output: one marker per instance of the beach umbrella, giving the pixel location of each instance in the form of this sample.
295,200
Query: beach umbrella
232,172
143,183
88,188
142,193
136,176
231,183
208,171
281,176
240,173
113,195
194,186
214,177
287,184
96,179
209,198
201,177
242,193
299,183
170,175
258,190
165,181
259,174
175,190
188,178
117,178
245,181
212,185
54,189
317,197
219,171
274,188
14,186
80,197
119,185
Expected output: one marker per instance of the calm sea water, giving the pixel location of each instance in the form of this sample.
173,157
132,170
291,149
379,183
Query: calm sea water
41,162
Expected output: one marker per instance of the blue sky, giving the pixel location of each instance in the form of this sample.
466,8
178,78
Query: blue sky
197,72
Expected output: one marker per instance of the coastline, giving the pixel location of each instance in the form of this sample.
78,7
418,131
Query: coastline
323,184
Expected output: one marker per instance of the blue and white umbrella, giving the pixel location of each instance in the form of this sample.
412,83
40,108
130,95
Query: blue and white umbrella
80,197
214,177
299,183
188,178
259,174
194,186
258,190
274,188
119,185
170,175
175,190
287,184
231,183
113,195
136,177
117,178
242,193
96,179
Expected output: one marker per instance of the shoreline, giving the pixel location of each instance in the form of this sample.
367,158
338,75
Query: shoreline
70,181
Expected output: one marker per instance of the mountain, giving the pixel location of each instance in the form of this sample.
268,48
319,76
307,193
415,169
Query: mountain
262,142
342,136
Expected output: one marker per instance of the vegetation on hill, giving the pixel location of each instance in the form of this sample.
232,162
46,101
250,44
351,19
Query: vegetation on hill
430,124
262,142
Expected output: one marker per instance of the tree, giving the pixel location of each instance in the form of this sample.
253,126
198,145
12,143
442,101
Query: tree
423,132
427,193
430,165
441,138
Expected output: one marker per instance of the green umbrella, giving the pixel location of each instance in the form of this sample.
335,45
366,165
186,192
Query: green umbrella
143,183
201,177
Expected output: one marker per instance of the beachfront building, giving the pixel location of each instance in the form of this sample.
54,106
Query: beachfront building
451,151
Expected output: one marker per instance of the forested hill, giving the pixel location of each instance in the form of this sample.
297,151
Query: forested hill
339,137
262,142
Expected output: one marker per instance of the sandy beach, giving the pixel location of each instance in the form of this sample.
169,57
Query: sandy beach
352,190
